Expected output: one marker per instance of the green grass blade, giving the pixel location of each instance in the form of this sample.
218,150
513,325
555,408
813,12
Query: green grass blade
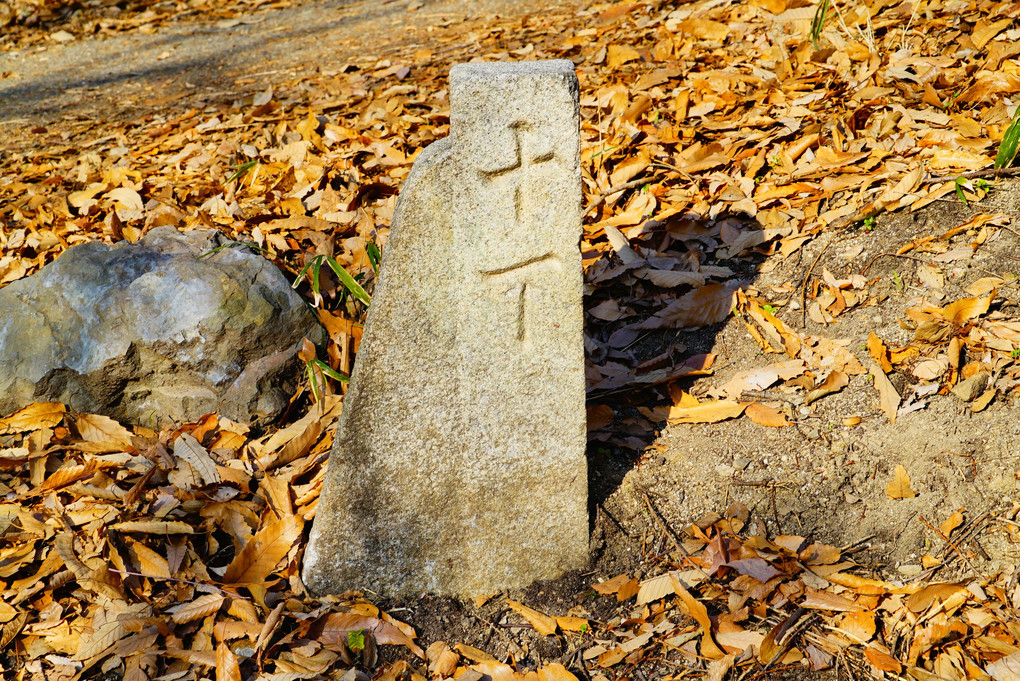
348,281
373,256
310,368
332,373
301,274
1008,147
818,22
242,169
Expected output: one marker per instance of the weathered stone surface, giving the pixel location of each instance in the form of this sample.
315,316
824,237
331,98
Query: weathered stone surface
149,333
459,463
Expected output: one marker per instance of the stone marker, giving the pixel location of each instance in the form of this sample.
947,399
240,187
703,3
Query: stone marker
150,333
459,463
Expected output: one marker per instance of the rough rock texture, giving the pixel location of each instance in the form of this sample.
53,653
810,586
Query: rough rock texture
149,333
459,463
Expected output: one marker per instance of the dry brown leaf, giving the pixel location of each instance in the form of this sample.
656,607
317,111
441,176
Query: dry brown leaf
567,623
228,667
718,669
766,416
442,661
555,672
264,551
544,624
888,398
203,606
967,309
102,429
815,599
833,383
878,352
154,527
859,626
617,55
599,416
706,412
62,477
951,523
707,305
899,486
338,624
611,586
188,449
700,614
33,417
930,594
147,561
882,660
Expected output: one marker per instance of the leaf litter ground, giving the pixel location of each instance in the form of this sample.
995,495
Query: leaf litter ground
802,343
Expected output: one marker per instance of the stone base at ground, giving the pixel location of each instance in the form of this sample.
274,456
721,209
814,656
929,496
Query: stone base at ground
459,463
149,333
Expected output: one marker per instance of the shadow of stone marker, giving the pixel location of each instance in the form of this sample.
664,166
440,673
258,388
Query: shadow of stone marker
459,462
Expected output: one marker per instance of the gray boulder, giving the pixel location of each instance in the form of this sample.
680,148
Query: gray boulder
151,334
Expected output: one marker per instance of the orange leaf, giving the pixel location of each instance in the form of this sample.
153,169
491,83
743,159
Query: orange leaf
98,428
878,352
611,586
261,554
859,626
227,666
951,523
766,416
34,416
706,412
543,624
966,309
339,624
883,660
888,398
698,611
834,382
899,486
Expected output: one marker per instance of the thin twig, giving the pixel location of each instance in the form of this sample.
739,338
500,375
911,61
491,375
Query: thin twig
669,533
232,594
895,255
987,172
598,200
950,543
807,278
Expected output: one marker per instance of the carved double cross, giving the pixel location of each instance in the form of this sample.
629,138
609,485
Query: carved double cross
510,179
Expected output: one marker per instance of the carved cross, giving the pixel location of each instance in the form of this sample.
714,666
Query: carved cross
518,274
511,176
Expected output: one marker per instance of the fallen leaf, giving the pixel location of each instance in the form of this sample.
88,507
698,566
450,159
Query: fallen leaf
203,606
707,305
544,624
951,523
338,624
859,626
706,412
264,551
882,660
888,398
698,611
227,666
766,416
834,382
899,486
33,417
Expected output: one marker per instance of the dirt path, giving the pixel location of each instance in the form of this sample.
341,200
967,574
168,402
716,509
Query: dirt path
191,60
